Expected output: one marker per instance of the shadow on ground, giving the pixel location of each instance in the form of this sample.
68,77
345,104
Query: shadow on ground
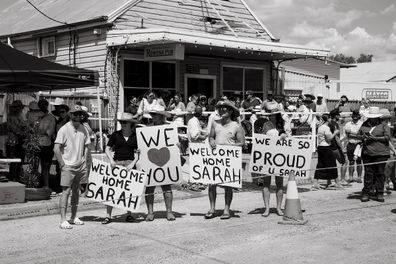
139,217
234,213
250,186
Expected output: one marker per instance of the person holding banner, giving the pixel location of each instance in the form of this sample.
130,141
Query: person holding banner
275,127
326,157
159,116
124,144
71,150
225,131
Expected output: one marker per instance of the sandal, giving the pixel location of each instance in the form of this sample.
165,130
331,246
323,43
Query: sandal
225,216
150,217
65,225
279,212
76,221
129,218
210,215
106,221
170,217
265,214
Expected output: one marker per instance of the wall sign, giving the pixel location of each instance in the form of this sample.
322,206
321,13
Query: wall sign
164,52
377,94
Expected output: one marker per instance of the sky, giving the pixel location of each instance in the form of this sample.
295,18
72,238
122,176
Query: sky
350,27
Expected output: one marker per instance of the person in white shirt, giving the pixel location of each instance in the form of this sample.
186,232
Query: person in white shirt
146,105
351,131
321,106
195,133
71,150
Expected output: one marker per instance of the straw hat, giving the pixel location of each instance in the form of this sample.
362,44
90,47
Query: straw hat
76,109
228,104
159,110
385,113
33,106
58,101
374,112
127,117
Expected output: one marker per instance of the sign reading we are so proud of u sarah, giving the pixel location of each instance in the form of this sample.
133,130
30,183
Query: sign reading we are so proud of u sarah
116,186
277,156
159,154
221,165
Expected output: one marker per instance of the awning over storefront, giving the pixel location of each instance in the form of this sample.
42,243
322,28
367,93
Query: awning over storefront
277,51
21,72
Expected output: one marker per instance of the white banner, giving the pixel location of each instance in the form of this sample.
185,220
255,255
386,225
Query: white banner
276,156
222,165
116,186
159,154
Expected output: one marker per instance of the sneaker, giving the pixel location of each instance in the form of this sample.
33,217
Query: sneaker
380,198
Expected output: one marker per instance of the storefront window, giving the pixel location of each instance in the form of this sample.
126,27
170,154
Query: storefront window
237,80
164,75
136,73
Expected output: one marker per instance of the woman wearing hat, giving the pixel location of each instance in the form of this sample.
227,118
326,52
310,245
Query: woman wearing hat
225,131
159,116
124,145
375,136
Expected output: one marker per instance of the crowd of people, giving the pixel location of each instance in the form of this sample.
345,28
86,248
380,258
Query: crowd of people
346,137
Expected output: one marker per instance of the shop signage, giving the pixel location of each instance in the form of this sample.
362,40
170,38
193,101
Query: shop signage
164,52
377,94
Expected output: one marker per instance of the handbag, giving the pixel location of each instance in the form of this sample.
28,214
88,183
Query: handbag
358,152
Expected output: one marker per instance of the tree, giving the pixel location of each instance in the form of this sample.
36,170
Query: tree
343,59
364,58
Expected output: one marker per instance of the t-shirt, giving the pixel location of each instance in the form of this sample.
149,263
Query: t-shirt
375,148
250,104
321,108
123,149
353,129
270,105
226,134
323,130
194,130
333,125
73,142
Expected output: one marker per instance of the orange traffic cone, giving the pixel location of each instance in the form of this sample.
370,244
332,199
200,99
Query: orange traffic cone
293,214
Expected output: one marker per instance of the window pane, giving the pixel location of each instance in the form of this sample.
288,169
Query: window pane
232,79
136,73
164,75
254,80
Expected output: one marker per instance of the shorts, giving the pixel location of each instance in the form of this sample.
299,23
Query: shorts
72,175
339,156
350,153
46,153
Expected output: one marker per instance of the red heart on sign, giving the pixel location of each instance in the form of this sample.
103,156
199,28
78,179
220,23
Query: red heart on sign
159,156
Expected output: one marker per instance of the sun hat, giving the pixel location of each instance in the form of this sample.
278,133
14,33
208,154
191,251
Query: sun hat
76,109
228,104
58,101
160,110
374,112
85,109
127,117
33,106
385,113
319,95
17,104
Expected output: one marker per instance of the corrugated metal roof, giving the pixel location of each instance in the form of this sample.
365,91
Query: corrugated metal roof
381,71
18,16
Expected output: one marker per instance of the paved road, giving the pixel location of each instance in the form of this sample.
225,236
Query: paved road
341,229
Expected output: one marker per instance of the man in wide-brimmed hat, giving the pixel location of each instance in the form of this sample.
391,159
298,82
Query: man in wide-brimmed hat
225,131
71,150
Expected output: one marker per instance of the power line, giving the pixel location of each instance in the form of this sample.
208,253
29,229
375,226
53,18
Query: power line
64,23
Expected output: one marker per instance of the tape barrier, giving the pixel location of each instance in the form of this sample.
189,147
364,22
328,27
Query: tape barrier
258,177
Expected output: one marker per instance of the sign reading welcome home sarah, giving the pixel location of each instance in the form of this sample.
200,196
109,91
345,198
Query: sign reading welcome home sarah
159,154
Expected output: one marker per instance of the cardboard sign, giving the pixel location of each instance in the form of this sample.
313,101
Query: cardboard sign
159,154
276,156
116,186
222,165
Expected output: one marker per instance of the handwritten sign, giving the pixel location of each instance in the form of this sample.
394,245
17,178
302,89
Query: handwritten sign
116,186
222,165
276,156
159,154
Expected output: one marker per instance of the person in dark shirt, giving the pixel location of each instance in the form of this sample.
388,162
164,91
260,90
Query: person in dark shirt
133,106
335,144
124,144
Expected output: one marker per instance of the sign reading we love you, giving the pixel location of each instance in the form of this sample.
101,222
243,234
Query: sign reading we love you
159,154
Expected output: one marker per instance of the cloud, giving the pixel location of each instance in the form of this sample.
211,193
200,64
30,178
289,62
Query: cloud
388,10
